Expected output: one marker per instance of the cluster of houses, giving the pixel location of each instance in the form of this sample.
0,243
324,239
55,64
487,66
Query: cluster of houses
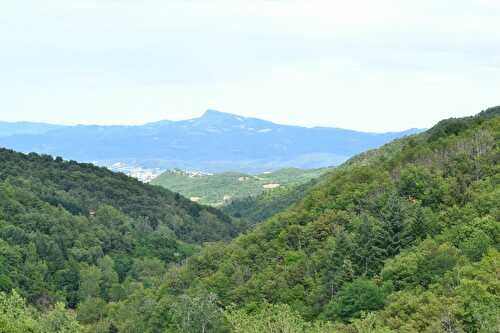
142,174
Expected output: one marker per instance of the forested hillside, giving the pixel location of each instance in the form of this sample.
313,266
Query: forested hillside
76,233
255,209
405,239
400,239
223,188
258,208
83,188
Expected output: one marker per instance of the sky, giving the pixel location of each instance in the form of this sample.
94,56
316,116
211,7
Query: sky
369,65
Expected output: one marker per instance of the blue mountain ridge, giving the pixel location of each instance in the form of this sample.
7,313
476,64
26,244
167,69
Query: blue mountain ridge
214,142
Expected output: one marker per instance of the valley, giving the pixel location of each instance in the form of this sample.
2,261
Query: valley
255,166
403,238
223,188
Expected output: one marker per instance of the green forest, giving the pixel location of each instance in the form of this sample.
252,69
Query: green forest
404,238
224,188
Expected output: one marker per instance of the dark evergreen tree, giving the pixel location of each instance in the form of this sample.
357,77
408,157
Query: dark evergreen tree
369,254
395,233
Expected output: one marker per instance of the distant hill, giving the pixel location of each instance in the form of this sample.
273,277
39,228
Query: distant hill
215,142
22,128
222,188
82,188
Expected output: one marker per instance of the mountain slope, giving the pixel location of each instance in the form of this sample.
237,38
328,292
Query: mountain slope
222,188
263,206
74,232
410,233
82,188
214,142
405,238
253,210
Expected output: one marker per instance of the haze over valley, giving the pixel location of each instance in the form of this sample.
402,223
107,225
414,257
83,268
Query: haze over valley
214,142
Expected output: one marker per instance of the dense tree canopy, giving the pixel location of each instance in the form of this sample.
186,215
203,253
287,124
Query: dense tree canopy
82,188
253,210
85,236
405,238
409,232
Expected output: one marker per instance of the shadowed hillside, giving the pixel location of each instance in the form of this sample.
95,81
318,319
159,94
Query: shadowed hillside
62,220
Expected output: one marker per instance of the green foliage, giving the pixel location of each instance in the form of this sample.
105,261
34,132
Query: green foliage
197,314
255,209
355,298
223,188
421,266
86,190
271,318
17,317
87,237
401,239
379,245
465,298
91,310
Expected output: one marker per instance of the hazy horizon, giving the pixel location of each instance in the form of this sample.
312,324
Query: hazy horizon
370,66
200,116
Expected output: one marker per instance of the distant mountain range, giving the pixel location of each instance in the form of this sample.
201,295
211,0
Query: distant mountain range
9,129
214,142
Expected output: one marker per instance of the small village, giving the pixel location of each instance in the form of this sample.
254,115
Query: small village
144,175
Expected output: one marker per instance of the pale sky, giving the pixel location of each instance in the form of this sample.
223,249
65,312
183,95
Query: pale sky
359,64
